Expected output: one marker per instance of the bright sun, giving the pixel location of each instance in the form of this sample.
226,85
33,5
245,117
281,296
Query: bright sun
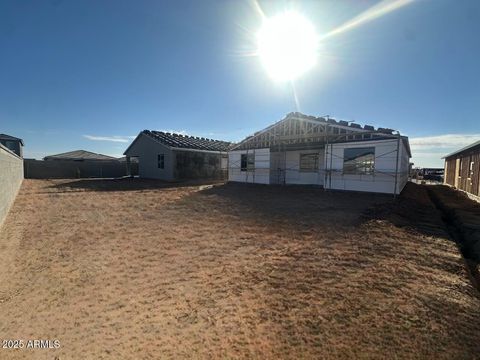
287,46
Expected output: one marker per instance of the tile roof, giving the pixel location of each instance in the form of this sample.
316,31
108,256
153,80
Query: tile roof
79,155
188,142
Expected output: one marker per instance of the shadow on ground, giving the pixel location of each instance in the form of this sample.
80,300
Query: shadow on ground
462,217
414,210
304,206
308,206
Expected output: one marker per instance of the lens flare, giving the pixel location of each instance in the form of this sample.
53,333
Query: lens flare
287,46
382,8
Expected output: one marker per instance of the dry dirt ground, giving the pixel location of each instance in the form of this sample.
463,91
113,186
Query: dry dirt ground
143,270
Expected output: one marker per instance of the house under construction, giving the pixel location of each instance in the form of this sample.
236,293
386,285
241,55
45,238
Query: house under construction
303,149
462,169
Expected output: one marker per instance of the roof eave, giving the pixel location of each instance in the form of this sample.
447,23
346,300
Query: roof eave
468,147
134,141
200,150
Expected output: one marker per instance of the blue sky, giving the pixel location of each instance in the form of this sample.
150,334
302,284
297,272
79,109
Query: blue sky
93,74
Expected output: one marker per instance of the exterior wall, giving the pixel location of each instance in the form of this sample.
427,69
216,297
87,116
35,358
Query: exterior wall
147,151
403,168
285,168
458,174
11,177
450,169
383,179
261,173
70,169
199,165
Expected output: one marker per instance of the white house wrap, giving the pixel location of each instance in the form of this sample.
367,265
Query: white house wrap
306,150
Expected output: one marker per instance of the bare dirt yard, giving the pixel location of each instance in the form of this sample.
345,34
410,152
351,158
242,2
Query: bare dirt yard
144,270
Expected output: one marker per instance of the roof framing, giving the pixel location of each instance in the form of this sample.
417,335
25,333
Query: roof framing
148,134
300,131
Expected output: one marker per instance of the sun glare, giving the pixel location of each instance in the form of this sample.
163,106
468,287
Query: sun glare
287,46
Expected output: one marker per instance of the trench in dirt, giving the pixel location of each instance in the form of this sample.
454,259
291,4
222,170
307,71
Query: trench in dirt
465,242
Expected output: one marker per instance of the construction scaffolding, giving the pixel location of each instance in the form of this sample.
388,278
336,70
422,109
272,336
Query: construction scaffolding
300,133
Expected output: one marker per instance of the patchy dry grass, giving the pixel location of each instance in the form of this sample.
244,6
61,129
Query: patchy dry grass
141,270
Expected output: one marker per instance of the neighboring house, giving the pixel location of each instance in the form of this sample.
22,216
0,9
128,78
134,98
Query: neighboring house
79,155
303,149
76,164
462,169
170,157
12,143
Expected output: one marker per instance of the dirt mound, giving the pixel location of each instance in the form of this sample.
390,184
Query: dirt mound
463,214
413,210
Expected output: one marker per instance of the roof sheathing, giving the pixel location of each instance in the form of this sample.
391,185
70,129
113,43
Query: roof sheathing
179,141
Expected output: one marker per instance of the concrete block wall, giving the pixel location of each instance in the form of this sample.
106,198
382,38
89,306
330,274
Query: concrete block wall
70,169
11,177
